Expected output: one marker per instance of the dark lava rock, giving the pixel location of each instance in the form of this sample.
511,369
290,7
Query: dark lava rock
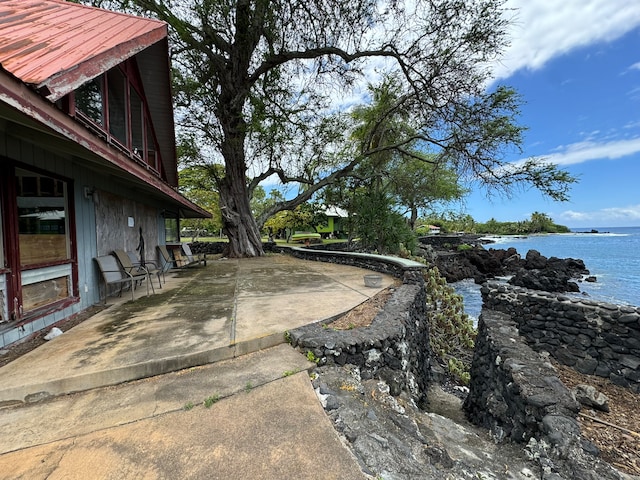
551,275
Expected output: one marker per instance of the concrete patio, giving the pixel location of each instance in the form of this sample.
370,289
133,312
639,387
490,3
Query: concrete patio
200,316
144,409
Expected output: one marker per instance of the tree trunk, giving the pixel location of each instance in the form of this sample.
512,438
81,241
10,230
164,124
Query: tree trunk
237,218
238,222
414,217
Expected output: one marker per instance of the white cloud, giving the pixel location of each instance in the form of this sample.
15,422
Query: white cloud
590,150
543,30
635,66
626,216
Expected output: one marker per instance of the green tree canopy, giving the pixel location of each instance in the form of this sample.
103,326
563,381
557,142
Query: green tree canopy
262,85
197,184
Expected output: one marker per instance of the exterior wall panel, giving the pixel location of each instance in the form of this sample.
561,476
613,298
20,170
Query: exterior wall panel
101,222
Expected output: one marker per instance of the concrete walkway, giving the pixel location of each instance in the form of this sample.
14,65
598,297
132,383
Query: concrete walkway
230,316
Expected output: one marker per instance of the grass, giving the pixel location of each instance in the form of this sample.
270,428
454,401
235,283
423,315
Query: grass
311,357
209,401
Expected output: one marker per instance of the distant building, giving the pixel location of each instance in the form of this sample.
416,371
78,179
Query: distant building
336,223
87,154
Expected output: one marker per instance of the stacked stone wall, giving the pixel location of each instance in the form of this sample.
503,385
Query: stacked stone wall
595,338
376,263
516,394
395,347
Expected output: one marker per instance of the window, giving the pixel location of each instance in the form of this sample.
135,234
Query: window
42,218
137,125
44,292
90,100
171,230
38,251
152,159
117,101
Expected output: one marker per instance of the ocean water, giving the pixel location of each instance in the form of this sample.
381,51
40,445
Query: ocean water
612,256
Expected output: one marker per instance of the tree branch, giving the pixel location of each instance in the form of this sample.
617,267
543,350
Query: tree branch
281,58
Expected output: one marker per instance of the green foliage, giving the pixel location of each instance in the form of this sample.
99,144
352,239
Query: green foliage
198,184
209,401
459,222
260,202
451,221
452,334
288,373
463,247
188,406
311,357
459,369
378,226
538,223
305,217
420,182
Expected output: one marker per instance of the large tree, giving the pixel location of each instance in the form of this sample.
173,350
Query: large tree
261,84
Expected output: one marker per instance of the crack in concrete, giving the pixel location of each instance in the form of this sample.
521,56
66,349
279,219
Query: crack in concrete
234,311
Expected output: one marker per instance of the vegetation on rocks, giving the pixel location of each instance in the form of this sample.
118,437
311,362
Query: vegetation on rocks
452,333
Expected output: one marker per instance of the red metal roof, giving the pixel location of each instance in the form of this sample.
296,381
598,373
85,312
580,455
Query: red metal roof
57,45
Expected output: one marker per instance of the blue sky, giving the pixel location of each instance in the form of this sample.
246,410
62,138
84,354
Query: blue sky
577,67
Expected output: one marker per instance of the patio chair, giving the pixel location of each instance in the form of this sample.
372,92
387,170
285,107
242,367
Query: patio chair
131,269
181,258
113,274
150,265
166,260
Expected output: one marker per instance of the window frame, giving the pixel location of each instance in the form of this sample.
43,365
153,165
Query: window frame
149,157
14,269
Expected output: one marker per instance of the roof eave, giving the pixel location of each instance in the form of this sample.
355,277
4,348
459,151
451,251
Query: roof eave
21,98
66,81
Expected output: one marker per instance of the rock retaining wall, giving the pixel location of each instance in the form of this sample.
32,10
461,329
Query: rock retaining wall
516,394
395,347
595,338
379,263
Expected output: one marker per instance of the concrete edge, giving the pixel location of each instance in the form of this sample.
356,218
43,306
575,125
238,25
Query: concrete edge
36,392
397,261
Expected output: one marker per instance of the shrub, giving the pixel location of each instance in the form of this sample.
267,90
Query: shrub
452,334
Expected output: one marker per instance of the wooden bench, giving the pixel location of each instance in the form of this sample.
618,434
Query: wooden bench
193,259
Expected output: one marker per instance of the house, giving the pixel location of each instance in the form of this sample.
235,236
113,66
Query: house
336,223
87,154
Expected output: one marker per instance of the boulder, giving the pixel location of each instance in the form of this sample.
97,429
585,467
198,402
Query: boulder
535,261
588,396
549,280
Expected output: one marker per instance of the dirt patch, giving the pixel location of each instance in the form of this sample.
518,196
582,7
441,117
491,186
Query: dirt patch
616,433
16,350
363,314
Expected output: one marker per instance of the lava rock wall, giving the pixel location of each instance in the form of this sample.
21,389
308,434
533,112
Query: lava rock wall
394,348
595,338
515,393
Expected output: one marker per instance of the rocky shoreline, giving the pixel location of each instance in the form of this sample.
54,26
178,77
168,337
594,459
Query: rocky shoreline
392,436
534,271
